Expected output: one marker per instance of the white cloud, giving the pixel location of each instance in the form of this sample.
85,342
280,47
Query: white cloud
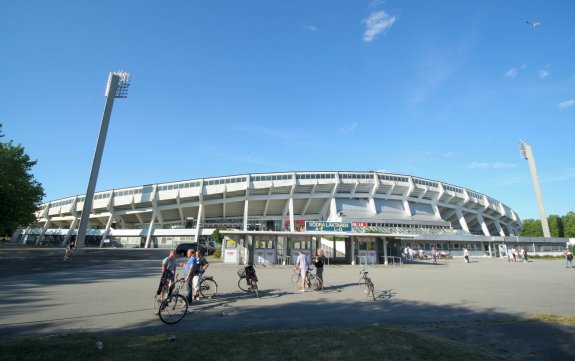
348,128
566,104
544,73
511,73
377,23
376,3
311,28
489,165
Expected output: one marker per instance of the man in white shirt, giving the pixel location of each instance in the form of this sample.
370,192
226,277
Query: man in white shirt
303,266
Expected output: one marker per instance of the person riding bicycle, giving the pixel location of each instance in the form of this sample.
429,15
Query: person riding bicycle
200,267
168,274
303,266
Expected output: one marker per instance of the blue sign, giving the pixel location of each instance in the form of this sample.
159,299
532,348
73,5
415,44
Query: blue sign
320,226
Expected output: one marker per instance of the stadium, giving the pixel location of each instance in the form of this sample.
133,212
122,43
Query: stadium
355,217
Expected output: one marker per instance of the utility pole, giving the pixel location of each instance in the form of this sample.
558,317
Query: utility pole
526,153
118,83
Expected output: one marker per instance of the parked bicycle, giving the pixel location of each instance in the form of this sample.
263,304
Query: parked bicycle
248,280
311,280
366,285
175,306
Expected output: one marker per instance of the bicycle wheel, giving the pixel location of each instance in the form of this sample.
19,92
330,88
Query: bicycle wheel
296,281
314,283
173,309
363,285
243,284
208,288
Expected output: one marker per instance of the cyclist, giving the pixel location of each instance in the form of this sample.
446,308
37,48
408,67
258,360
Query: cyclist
200,267
168,274
303,266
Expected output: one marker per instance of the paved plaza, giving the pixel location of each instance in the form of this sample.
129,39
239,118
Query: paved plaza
111,291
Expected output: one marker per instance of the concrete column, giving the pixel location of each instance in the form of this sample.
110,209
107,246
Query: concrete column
151,228
461,219
483,224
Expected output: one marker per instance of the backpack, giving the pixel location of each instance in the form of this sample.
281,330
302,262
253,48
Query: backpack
570,257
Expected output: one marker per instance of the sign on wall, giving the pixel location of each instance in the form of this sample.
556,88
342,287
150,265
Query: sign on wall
321,226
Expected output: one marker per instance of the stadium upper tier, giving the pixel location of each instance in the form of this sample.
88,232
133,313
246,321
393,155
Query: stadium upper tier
282,201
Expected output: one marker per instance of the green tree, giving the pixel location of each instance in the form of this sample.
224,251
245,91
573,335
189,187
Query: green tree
532,228
568,221
217,236
555,225
20,193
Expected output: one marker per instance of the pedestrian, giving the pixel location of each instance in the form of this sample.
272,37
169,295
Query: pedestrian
302,265
70,248
410,251
569,258
318,262
189,267
434,254
466,254
200,267
168,274
514,253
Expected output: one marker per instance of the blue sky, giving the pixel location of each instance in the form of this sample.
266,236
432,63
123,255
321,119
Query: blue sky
442,90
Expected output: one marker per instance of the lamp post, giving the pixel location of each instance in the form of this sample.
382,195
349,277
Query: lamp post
526,153
118,84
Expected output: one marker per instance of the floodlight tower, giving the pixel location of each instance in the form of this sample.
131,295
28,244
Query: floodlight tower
526,153
118,84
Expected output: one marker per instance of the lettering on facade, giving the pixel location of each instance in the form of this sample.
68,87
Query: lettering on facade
321,226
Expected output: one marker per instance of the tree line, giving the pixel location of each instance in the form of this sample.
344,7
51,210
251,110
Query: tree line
559,226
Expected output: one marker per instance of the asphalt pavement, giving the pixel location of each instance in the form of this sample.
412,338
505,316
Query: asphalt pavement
110,291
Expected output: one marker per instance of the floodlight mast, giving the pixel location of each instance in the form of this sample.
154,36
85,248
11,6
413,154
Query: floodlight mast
117,87
526,153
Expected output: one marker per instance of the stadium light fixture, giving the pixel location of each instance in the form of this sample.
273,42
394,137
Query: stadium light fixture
526,153
117,87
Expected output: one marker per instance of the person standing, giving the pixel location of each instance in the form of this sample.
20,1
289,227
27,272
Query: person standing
568,258
434,254
318,262
168,274
70,248
200,267
466,254
190,265
303,266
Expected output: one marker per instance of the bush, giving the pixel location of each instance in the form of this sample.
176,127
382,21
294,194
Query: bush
218,253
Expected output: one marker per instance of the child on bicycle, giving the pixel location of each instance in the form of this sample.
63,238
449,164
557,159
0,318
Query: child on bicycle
70,249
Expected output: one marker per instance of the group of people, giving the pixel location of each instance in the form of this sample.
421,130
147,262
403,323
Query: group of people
194,268
514,256
302,265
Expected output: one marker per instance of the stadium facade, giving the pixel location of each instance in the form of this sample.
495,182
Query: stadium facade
354,216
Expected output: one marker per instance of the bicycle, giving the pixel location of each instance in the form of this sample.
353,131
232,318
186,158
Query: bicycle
365,284
312,281
248,280
208,287
174,307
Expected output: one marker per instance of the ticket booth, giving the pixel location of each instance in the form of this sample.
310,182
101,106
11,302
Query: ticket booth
301,244
231,251
366,251
265,250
